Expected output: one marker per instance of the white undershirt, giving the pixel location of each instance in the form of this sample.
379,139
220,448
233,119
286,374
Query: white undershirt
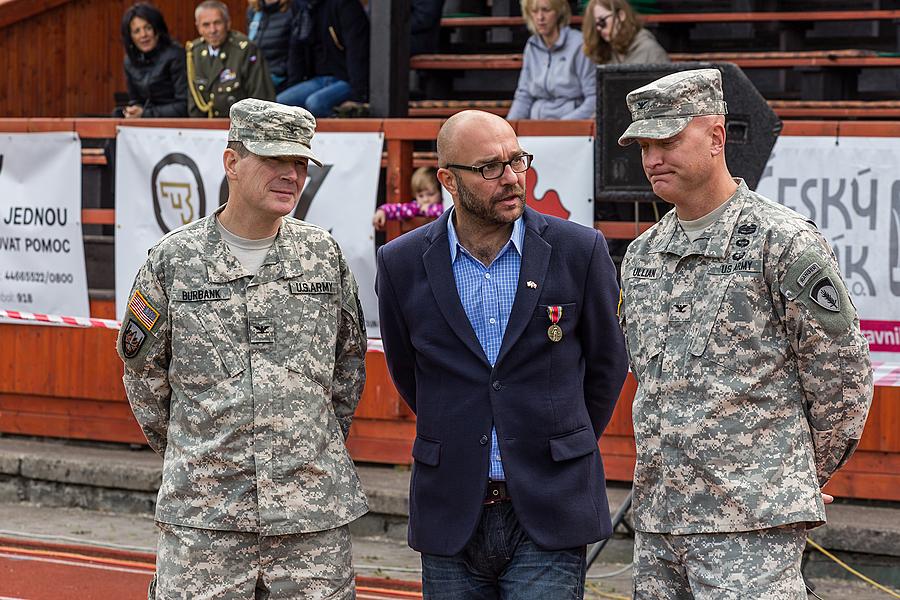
250,253
694,229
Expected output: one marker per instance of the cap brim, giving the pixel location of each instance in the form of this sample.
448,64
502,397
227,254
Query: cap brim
282,149
654,129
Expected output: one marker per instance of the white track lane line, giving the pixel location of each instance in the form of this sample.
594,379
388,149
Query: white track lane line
71,563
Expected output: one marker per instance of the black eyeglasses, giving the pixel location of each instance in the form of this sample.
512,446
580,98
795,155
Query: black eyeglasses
494,170
601,22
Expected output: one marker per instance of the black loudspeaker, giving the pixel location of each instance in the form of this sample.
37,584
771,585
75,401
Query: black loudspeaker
751,129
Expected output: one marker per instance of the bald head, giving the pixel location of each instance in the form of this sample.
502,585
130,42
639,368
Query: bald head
453,141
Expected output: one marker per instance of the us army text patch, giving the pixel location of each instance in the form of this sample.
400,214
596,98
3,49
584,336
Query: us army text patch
738,266
312,287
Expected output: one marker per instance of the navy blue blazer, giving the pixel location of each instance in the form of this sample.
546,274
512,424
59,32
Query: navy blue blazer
549,401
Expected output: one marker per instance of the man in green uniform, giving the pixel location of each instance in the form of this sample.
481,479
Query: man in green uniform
223,66
244,347
754,379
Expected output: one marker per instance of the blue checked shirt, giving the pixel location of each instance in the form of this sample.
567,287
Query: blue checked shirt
487,295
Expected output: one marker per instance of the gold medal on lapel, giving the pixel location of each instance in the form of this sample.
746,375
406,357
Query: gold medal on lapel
554,332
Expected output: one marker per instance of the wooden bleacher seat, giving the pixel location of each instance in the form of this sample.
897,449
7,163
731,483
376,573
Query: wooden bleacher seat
855,109
786,109
702,17
446,108
466,61
770,60
813,58
816,74
797,53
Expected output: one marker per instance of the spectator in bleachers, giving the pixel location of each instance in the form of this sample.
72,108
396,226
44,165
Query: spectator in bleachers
154,66
557,80
269,27
330,55
223,66
427,203
613,34
425,26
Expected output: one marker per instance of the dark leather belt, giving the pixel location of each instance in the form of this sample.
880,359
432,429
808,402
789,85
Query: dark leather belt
496,493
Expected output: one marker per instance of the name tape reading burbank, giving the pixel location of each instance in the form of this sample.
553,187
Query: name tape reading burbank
41,250
850,188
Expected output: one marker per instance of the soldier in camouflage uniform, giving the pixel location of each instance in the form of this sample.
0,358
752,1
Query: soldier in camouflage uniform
223,66
754,379
244,348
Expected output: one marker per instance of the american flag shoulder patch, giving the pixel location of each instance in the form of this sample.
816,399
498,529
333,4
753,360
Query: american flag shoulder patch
142,310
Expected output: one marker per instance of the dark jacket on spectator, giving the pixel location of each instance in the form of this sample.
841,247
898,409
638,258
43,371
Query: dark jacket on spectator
157,81
337,45
273,38
425,26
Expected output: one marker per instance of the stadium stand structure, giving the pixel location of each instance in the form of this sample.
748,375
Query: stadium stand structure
843,55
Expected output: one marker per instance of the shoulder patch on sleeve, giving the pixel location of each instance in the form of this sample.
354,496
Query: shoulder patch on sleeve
133,338
143,310
812,281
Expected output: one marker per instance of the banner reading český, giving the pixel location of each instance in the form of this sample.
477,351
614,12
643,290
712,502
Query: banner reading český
41,250
850,187
166,178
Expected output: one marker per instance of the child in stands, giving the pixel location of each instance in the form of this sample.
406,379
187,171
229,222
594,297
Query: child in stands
427,190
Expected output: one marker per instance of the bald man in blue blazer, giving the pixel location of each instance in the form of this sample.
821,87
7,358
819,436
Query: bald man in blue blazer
500,332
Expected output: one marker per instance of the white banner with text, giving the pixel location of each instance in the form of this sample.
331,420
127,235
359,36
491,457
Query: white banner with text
41,250
850,187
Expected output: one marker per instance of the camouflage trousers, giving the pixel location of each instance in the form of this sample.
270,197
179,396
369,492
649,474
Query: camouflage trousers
762,564
203,564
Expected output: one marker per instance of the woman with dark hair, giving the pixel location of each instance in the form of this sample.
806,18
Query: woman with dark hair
269,27
154,66
613,34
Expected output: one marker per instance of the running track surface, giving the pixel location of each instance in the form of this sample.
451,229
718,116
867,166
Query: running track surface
32,570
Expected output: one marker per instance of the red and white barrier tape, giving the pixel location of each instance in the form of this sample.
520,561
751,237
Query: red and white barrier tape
91,322
60,320
886,374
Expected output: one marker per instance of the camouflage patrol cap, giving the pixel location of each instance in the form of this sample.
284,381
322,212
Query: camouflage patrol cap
663,108
272,129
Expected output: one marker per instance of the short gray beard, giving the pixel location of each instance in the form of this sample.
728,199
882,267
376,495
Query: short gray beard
484,212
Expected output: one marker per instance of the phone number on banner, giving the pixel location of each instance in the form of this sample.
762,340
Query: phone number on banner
39,277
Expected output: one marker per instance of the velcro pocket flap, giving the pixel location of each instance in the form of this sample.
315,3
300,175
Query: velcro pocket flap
427,452
580,442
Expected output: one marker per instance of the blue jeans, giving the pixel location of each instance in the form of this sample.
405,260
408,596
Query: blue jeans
501,562
318,95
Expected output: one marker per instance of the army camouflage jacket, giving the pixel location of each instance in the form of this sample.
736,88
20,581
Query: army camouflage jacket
754,379
239,71
246,385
